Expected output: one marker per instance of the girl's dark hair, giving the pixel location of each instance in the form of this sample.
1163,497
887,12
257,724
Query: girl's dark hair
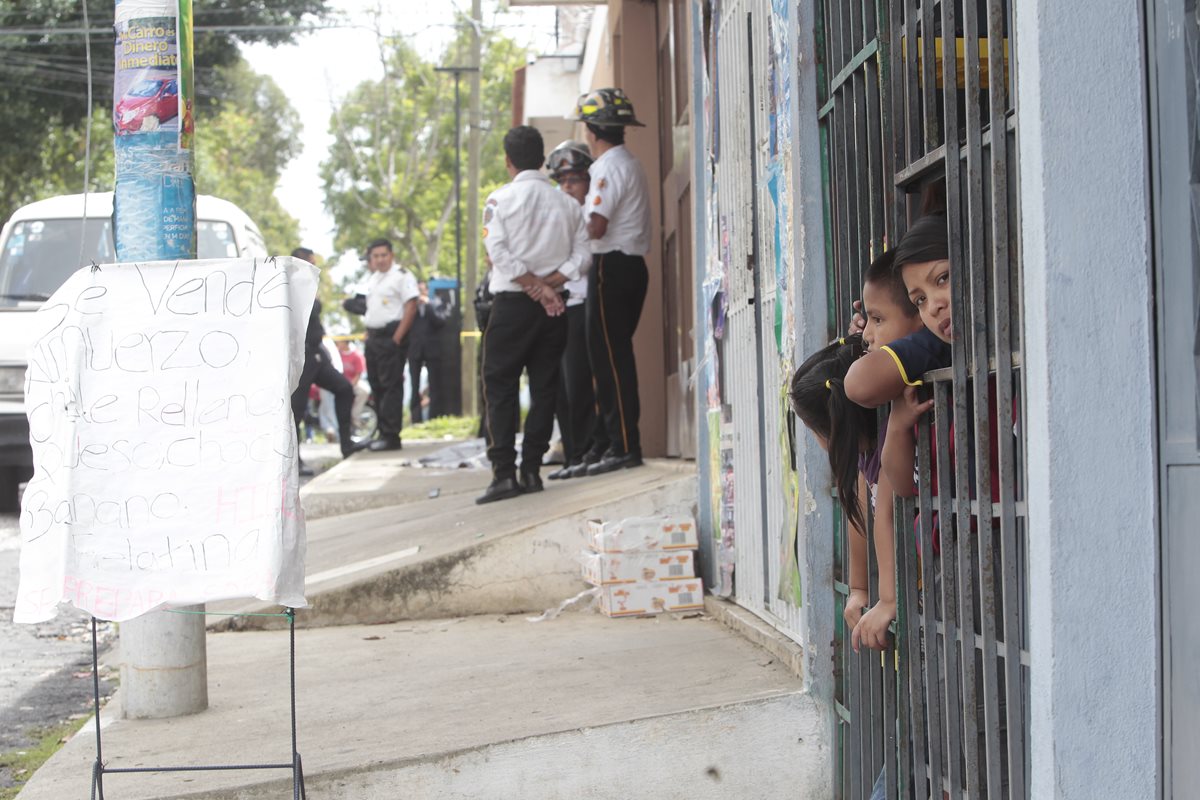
926,240
819,400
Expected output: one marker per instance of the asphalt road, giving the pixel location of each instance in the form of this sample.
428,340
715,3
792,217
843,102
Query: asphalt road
45,669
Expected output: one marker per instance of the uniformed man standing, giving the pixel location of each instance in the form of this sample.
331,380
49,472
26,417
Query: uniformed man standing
618,214
584,436
537,241
391,309
425,352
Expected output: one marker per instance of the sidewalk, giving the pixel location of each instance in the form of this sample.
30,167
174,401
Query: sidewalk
483,706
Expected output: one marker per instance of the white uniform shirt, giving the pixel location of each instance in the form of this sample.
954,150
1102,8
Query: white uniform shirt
387,292
577,289
618,193
529,226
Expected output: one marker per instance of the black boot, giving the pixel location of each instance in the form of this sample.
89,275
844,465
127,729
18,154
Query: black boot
615,461
500,489
531,482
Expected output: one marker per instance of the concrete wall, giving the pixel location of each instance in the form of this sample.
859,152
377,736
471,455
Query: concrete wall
1089,412
549,83
596,69
623,41
815,541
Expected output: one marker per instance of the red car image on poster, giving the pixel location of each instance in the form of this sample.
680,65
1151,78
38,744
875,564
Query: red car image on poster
148,103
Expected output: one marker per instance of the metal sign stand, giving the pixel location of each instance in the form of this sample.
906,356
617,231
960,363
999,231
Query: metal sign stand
99,770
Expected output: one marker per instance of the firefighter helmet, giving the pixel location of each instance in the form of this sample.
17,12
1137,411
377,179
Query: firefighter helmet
570,156
605,108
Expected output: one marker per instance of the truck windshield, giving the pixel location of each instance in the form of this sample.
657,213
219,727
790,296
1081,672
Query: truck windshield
40,255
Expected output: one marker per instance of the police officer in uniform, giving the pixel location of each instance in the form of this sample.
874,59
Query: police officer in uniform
618,223
425,352
391,309
537,241
585,439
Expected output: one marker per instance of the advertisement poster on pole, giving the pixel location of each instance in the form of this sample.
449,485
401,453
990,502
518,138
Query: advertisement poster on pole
154,130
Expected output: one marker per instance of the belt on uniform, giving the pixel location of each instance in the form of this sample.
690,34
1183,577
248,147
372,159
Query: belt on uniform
386,330
564,294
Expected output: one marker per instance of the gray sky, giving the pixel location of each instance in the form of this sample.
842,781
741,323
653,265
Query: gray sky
324,66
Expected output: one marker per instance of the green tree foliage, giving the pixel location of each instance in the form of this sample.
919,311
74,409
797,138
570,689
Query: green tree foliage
391,169
242,147
43,74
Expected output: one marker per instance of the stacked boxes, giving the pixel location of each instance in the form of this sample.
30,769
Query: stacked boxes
643,565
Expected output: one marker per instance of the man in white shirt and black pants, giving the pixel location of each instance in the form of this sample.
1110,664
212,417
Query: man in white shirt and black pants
391,309
618,223
537,241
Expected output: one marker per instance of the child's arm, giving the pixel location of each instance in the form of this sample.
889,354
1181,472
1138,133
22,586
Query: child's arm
900,447
881,376
859,597
874,380
872,629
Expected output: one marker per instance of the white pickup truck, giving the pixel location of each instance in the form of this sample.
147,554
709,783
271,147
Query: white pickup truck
39,250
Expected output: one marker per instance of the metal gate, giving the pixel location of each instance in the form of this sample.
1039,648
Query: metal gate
1174,36
917,107
753,374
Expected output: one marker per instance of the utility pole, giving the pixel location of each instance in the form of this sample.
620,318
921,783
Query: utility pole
457,408
474,121
164,671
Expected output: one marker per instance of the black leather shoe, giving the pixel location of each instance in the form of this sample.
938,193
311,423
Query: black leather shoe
579,470
613,462
500,489
531,482
383,445
562,473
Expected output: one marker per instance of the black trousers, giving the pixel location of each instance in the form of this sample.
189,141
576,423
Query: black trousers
437,388
581,428
319,370
616,292
520,336
385,373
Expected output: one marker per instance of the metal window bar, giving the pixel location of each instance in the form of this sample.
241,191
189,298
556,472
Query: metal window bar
913,93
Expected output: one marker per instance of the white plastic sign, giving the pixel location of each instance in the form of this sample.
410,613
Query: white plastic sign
158,398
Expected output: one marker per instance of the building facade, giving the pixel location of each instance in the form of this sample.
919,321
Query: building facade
1048,649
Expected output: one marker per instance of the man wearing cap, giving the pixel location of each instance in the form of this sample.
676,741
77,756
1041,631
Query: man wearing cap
537,241
391,309
585,439
618,223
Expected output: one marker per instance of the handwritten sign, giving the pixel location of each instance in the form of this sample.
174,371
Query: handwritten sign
163,442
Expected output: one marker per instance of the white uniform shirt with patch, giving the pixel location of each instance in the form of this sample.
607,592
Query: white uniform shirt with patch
577,289
387,292
531,227
618,193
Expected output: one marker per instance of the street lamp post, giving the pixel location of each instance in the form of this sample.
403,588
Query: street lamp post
458,289
458,71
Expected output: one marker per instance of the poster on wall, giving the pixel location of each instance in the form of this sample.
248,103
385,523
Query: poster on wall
158,398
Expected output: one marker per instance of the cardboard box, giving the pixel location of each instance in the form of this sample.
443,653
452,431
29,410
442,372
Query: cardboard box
647,534
643,597
600,569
